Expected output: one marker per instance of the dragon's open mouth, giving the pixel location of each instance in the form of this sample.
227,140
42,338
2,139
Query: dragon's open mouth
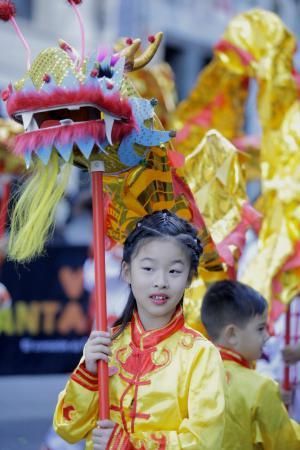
69,115
53,120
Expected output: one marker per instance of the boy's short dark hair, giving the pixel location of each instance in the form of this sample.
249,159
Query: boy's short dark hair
230,302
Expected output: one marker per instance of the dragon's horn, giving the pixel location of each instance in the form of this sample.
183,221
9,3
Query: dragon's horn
133,63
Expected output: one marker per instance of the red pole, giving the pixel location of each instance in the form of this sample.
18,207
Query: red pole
3,207
97,169
287,337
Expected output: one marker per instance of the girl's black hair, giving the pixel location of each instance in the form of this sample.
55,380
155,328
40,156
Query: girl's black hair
158,225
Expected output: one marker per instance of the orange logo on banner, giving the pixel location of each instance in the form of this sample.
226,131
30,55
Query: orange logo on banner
71,281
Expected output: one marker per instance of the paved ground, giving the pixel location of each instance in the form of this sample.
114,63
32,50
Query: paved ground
26,408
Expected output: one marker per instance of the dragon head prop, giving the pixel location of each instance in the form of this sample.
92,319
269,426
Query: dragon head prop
75,109
84,109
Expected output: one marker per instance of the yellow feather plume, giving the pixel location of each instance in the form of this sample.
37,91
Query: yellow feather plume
34,211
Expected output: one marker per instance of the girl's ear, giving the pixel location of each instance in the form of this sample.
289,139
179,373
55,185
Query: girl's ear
125,272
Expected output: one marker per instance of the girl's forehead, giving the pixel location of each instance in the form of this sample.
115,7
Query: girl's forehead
161,247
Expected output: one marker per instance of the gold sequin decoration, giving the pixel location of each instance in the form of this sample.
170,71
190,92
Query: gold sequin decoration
52,61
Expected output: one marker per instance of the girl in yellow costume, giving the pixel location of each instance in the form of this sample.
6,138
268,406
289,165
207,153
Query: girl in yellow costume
166,383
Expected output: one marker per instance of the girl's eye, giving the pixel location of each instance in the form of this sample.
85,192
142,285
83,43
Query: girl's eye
175,271
148,269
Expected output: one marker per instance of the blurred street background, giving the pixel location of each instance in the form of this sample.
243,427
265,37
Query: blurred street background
26,408
40,350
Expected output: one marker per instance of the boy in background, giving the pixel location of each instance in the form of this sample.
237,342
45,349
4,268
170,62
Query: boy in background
235,317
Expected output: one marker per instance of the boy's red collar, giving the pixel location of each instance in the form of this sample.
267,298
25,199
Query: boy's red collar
230,355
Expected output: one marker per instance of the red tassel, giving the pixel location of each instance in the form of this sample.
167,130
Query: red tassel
7,10
77,2
94,73
129,41
46,78
109,85
64,46
151,39
5,95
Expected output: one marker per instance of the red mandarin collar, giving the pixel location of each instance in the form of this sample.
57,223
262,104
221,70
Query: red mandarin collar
230,355
146,339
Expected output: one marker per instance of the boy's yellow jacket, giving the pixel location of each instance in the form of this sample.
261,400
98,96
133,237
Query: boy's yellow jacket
256,418
166,392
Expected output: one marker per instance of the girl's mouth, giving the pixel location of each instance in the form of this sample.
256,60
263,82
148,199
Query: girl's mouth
159,299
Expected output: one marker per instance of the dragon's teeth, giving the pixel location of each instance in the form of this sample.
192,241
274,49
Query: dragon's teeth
26,117
109,123
33,126
66,121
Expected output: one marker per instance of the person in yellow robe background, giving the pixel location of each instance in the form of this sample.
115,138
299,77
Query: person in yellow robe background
166,383
235,317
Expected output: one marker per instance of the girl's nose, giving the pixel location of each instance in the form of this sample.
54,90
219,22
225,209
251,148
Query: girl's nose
161,281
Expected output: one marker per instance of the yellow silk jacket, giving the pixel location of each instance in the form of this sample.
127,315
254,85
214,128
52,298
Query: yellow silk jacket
166,392
256,418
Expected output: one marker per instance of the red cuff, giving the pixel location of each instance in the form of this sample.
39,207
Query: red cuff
119,440
85,378
87,372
